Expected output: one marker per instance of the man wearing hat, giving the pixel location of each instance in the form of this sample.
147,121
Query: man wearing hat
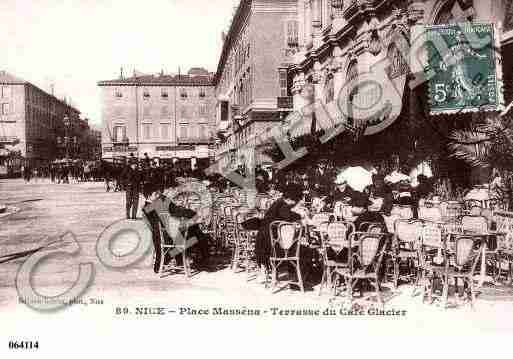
132,180
342,193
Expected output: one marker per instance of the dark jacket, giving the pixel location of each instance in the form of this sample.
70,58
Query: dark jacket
279,211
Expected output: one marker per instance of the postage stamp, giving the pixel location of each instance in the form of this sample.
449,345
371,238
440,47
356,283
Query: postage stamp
466,77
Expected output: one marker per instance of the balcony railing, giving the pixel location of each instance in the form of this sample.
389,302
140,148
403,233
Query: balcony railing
9,140
189,140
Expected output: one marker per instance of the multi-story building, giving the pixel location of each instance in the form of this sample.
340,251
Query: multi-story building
170,117
341,40
36,124
251,82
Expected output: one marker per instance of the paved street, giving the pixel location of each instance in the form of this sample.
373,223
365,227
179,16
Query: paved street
48,210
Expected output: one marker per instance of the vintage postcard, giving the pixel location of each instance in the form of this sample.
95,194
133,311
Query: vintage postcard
255,176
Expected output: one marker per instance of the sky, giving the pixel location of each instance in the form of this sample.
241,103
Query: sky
73,44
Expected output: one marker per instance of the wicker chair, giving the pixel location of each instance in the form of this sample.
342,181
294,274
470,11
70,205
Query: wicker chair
372,227
432,214
364,262
465,257
504,221
244,249
405,249
432,259
285,243
336,239
451,211
404,212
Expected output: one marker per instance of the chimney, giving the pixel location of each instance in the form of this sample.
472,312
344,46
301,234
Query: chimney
121,73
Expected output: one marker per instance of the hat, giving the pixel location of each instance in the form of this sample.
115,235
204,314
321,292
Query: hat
340,179
293,191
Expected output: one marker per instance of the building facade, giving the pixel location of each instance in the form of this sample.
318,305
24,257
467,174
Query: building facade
170,117
342,40
35,124
251,82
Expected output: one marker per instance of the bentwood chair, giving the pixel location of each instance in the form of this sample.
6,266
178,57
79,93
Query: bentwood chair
333,242
244,250
463,265
171,243
285,249
364,263
405,249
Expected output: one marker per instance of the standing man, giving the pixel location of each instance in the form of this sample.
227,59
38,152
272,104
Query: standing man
132,180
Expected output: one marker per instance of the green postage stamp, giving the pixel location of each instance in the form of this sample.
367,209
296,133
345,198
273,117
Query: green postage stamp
466,74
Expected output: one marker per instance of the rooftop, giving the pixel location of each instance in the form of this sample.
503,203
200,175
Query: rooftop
195,77
9,79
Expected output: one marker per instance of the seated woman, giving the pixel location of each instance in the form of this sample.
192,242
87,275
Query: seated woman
281,210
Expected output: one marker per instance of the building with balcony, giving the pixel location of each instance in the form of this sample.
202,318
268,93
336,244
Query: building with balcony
342,40
32,121
251,82
170,117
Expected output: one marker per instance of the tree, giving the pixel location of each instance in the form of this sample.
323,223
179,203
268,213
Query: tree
489,145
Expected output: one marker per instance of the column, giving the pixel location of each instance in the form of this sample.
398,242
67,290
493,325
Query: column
308,24
338,76
317,80
316,21
297,88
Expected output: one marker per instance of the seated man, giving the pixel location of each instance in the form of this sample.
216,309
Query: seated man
193,230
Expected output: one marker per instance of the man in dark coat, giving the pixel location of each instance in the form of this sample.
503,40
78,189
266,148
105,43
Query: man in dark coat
132,180
280,210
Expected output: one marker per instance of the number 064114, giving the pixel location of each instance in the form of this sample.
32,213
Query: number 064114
26,345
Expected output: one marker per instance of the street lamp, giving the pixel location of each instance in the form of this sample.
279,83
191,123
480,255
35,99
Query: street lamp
67,124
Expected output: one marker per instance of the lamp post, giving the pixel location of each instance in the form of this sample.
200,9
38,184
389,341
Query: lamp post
67,123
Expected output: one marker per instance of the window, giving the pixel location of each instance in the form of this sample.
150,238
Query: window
6,109
146,93
118,111
163,93
164,112
119,133
183,94
202,93
283,82
292,33
183,131
5,92
184,113
203,110
146,133
329,89
164,131
204,131
118,93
